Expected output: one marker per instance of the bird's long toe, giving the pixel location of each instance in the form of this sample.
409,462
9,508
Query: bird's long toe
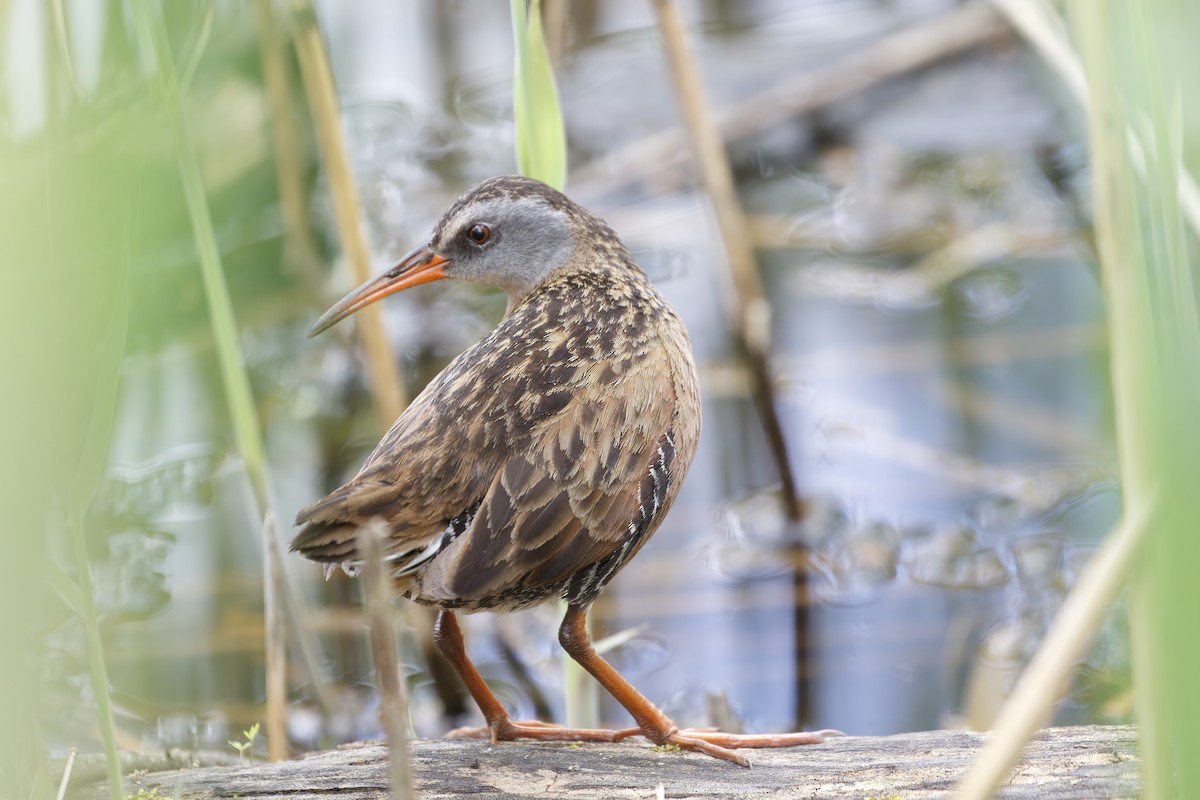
740,740
718,744
697,744
508,730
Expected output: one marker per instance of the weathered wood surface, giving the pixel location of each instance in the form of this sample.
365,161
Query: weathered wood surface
1085,763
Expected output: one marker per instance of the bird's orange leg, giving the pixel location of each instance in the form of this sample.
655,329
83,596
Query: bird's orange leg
500,727
652,722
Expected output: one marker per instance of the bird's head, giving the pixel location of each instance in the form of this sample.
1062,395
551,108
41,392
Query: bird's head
509,232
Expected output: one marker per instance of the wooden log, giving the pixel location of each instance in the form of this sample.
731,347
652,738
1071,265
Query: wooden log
1092,763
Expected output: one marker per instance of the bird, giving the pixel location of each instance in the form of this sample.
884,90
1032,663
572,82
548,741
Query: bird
543,457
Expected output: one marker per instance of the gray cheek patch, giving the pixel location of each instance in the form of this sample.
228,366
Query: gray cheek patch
530,241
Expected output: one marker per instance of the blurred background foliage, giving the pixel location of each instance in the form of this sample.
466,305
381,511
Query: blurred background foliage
937,334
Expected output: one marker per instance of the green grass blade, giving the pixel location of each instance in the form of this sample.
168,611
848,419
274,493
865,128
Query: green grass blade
95,448
235,378
541,139
96,667
67,590
1143,84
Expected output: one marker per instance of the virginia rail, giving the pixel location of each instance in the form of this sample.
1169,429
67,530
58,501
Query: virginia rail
544,456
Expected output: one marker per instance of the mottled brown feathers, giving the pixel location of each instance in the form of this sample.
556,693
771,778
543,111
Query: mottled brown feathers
541,459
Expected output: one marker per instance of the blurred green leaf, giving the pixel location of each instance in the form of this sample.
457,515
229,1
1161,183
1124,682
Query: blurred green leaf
1143,82
67,590
67,228
541,140
109,353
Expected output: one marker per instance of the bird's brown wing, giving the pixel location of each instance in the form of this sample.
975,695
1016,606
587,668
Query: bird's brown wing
419,481
506,485
588,479
526,460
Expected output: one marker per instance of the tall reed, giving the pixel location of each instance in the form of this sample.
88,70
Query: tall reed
156,50
1139,82
1144,79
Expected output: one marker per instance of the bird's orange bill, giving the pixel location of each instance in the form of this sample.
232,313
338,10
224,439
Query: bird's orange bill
420,265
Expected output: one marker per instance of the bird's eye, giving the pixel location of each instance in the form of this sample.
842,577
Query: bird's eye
479,234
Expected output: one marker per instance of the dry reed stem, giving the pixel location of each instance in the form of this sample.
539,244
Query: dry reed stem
554,24
1040,685
895,54
383,372
275,624
750,314
66,775
293,203
394,705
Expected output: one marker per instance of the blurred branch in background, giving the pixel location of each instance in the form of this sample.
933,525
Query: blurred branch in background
895,54
383,371
749,313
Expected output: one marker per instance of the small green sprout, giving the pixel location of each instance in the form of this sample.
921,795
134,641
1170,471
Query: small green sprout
153,794
242,747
